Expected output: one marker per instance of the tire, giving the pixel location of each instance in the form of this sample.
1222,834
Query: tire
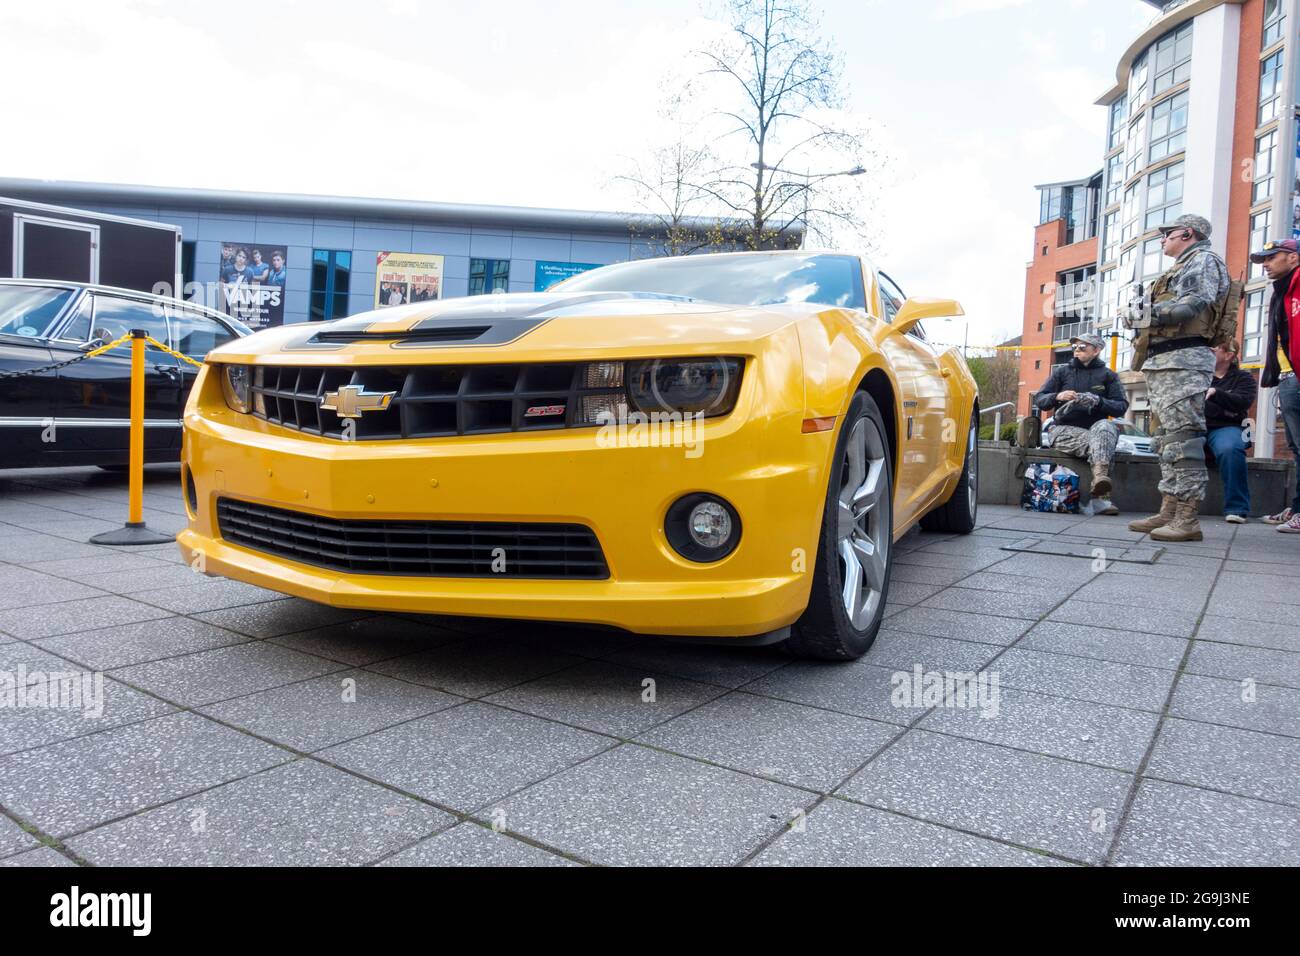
957,515
828,629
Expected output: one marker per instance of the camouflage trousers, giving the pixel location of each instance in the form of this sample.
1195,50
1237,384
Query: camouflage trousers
1097,444
1177,398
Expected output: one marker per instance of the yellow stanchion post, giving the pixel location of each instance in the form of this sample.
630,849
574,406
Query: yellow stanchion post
135,531
1114,351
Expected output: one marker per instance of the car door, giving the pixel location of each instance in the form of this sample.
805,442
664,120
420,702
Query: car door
195,334
94,399
27,401
925,408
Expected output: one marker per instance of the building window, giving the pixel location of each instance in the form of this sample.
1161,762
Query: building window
1137,84
1252,337
187,269
1273,21
1152,257
1165,196
1136,142
1265,159
1129,214
1038,363
1040,326
1270,88
1261,229
1118,110
488,275
1173,58
331,275
1110,237
1114,178
1169,127
1049,204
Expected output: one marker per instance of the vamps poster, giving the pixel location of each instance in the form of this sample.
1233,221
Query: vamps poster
402,277
252,280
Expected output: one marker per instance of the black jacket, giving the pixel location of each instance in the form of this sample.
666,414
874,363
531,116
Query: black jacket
1095,377
1232,398
1279,329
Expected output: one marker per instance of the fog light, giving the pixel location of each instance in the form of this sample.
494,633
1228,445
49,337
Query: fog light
702,528
709,524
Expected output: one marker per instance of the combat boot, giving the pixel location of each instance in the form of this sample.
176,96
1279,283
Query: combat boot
1184,527
1100,481
1168,508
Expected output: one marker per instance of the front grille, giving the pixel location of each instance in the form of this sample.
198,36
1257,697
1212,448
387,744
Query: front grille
461,549
430,401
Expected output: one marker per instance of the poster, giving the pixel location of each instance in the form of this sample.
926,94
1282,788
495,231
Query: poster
251,281
402,277
1295,195
549,273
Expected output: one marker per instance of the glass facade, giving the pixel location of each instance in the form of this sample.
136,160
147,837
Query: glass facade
489,275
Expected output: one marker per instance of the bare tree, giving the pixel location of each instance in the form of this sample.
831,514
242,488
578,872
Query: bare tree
668,185
786,84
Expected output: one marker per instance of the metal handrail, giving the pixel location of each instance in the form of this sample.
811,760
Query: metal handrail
997,419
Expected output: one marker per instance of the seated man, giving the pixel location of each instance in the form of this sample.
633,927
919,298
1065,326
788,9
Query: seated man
1232,392
1085,395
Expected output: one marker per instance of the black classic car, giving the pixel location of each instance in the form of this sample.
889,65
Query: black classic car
79,414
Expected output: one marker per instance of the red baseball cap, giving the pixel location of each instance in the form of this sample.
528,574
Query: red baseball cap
1273,248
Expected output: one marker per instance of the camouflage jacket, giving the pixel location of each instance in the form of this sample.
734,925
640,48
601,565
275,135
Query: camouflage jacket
1198,276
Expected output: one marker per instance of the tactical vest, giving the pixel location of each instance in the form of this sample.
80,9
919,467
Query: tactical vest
1206,323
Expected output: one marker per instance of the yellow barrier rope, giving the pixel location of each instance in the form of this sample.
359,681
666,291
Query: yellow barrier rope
172,352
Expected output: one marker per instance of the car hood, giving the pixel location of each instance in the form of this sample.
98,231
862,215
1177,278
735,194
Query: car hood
518,327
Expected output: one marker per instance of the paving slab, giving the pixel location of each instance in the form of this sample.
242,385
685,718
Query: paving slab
607,698
1102,682
1234,630
863,690
225,672
1175,825
1105,644
634,806
477,666
904,650
470,844
299,814
1261,664
313,714
50,620
840,833
367,640
960,626
724,666
42,856
1238,703
1172,622
1043,803
802,746
273,618
1031,605
1245,762
467,756
14,839
126,769
107,648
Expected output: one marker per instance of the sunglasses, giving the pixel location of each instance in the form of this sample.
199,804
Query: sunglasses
1080,347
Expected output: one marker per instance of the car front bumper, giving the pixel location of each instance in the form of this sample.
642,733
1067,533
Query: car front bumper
760,462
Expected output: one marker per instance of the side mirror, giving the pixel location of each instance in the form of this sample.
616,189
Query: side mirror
915,310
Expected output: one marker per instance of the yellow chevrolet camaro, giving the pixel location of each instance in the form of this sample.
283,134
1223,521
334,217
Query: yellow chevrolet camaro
717,446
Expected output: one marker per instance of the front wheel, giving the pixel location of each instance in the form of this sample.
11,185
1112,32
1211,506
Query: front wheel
957,514
855,551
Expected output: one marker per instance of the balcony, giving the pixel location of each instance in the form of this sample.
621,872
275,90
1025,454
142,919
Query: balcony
1061,334
1076,299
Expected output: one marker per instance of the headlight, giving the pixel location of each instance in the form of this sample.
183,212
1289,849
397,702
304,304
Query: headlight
235,385
687,386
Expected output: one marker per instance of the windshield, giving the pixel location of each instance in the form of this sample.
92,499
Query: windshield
1128,428
747,279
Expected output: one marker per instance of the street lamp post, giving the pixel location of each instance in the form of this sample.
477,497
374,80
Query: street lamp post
808,179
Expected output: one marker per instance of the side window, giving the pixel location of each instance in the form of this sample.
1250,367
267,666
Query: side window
78,329
893,298
114,317
28,310
196,335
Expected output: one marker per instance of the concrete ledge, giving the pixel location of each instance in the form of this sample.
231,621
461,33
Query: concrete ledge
1002,474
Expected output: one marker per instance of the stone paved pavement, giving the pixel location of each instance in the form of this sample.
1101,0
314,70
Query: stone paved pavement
1146,714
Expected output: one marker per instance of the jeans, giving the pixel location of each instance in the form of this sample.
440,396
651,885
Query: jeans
1288,393
1230,455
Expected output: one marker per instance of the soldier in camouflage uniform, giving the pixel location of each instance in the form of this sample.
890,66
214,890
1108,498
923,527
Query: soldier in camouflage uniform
1178,368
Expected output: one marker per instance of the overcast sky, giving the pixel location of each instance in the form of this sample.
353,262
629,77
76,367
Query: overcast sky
525,103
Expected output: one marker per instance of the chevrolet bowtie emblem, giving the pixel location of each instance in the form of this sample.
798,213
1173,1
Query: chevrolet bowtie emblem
351,401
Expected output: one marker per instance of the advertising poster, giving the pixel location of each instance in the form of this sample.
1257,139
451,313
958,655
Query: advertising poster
1295,195
251,281
402,277
549,273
